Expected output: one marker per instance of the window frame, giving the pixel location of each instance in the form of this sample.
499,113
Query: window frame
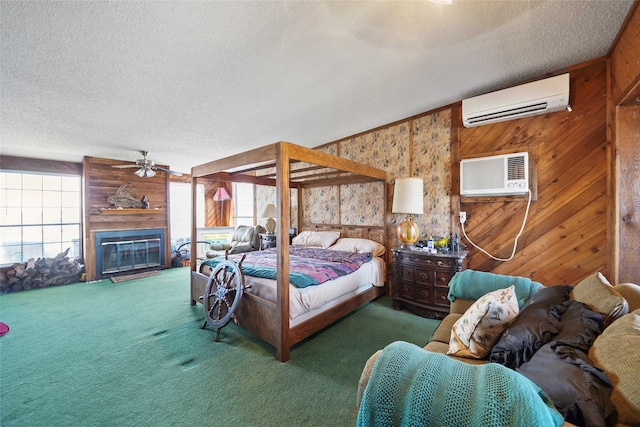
53,200
238,196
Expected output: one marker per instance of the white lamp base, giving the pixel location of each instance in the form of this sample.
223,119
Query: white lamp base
270,225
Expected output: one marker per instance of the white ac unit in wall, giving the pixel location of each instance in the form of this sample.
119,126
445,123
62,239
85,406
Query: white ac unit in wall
502,175
530,99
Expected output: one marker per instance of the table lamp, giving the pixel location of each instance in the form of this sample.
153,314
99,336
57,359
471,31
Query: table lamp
269,212
408,196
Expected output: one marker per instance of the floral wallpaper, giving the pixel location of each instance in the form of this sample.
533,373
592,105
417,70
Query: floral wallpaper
419,147
432,162
362,204
265,194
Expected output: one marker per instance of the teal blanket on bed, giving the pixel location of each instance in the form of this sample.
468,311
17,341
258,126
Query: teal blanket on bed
410,386
471,284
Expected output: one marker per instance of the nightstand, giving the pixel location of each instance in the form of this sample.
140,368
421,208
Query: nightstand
421,280
267,241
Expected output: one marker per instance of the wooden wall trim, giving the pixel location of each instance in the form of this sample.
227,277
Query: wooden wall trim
27,164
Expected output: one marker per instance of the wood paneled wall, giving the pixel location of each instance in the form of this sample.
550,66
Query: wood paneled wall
625,57
565,238
102,181
624,133
213,217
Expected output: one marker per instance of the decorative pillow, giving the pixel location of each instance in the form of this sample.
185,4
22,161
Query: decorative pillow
481,325
599,295
323,239
617,352
537,323
351,244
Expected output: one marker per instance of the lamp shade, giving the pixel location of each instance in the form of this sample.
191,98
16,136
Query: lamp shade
221,195
408,196
145,173
269,211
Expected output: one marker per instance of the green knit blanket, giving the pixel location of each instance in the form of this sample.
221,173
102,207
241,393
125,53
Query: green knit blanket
410,386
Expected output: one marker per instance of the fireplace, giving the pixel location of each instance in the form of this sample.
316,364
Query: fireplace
127,250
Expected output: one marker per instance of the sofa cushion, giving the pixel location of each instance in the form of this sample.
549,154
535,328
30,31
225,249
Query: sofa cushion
257,231
443,331
617,351
537,323
442,348
479,328
243,235
596,292
630,292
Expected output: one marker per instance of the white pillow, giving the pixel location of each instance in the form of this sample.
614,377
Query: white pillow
323,239
352,244
474,334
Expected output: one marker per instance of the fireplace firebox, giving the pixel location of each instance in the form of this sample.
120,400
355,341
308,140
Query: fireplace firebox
126,250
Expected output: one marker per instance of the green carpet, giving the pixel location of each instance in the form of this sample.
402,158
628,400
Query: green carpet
133,354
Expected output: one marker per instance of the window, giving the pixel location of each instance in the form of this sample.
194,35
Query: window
243,204
180,209
40,216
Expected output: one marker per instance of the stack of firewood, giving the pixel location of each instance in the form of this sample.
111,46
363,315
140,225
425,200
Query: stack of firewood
41,273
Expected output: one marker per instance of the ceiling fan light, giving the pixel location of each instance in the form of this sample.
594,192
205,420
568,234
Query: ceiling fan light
140,172
150,173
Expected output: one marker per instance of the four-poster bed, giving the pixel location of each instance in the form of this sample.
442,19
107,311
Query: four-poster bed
298,168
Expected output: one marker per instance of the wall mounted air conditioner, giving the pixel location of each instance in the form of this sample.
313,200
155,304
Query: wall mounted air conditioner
530,99
502,175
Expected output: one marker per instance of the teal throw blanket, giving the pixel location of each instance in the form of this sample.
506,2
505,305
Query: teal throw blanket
410,386
471,284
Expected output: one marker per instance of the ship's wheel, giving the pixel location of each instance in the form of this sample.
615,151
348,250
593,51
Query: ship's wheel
222,294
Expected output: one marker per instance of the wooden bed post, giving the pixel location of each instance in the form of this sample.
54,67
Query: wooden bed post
194,228
283,212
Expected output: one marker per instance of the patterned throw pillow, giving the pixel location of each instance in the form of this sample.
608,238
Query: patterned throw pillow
480,327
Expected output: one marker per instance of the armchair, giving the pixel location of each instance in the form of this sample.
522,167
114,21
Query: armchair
245,239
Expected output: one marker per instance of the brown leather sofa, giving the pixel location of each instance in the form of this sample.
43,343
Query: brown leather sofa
616,350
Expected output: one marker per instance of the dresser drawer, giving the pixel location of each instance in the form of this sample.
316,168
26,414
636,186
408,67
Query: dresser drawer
407,273
441,295
443,278
406,290
424,294
424,276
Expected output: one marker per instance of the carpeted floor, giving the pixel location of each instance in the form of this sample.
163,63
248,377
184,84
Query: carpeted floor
133,354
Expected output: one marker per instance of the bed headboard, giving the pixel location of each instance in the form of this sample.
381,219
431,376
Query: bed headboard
375,233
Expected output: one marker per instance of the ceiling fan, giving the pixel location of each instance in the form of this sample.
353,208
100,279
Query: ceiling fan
146,167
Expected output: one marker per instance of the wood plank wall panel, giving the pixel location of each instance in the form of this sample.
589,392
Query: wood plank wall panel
26,164
102,181
565,236
624,214
212,208
625,57
629,194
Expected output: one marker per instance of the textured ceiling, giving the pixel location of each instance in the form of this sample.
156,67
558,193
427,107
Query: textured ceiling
195,81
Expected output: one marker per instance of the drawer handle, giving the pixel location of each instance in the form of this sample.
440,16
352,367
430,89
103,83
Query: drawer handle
439,262
443,279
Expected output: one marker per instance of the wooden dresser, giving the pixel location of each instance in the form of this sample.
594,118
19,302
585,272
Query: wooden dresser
421,280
